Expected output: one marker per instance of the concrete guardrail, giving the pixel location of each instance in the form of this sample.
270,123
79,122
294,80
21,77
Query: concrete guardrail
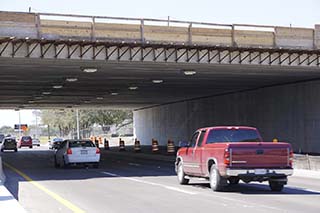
306,162
104,28
2,176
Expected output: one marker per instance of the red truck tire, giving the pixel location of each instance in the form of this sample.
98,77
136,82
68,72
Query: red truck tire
181,175
216,181
276,186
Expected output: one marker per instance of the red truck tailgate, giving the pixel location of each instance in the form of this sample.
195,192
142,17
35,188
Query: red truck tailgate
259,155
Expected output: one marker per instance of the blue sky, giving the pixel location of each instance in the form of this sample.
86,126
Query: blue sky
270,12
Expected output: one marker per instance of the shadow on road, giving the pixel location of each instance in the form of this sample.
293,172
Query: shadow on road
257,189
5,198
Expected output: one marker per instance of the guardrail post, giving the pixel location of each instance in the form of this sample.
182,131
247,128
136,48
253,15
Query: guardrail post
314,39
190,33
142,31
93,29
274,38
233,41
309,166
37,22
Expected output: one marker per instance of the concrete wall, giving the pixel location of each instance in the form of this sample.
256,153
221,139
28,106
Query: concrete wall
2,176
306,162
317,36
290,113
17,24
294,37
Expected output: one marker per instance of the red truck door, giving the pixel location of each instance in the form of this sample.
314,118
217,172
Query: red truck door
188,163
197,154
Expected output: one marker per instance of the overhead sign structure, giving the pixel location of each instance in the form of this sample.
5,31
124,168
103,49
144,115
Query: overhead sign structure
23,127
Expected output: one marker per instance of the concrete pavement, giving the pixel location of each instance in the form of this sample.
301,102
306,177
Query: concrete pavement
7,202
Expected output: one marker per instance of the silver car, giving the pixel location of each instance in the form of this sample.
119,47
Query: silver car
72,152
35,142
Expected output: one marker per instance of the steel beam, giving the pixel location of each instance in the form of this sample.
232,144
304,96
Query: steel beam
109,51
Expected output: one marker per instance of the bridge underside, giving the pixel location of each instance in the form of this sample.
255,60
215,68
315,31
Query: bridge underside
26,82
32,69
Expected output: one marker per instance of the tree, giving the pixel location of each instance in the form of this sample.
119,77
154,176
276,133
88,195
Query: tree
6,130
65,120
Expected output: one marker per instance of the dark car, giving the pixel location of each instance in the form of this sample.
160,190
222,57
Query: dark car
9,144
25,141
1,137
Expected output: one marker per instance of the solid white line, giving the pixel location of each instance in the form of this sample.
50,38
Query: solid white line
151,183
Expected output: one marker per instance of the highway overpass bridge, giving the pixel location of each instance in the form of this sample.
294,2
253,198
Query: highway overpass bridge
178,76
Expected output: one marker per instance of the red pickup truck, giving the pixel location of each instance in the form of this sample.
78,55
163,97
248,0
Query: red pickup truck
229,154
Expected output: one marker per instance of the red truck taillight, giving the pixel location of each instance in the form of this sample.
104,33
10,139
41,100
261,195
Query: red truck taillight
97,151
227,156
69,151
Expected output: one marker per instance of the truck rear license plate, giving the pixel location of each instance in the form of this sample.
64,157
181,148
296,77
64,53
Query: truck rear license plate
84,152
260,171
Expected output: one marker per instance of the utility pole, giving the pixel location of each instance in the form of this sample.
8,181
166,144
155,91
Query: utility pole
48,132
19,114
78,124
36,125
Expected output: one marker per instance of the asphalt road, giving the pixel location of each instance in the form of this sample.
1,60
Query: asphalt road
125,183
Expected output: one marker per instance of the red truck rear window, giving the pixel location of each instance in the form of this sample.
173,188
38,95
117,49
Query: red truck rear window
233,135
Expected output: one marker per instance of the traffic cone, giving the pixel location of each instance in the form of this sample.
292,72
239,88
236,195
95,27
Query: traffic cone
97,143
106,144
170,147
155,147
100,139
121,145
137,147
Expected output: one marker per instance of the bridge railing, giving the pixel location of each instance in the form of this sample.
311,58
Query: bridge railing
145,30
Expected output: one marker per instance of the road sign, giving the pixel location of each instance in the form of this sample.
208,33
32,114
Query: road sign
23,127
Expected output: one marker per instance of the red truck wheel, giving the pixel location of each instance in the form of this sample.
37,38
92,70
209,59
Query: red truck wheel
216,181
276,186
181,175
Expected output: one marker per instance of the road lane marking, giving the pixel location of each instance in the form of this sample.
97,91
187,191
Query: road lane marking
211,194
134,164
55,196
151,183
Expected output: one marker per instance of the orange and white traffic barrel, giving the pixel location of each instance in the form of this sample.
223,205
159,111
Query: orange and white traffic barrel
106,144
155,146
137,147
170,147
121,145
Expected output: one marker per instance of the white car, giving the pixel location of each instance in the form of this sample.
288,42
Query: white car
72,152
35,142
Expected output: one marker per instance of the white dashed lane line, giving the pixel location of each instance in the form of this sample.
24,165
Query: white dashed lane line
151,183
133,164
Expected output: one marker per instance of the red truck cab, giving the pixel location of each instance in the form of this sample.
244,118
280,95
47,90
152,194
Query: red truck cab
227,154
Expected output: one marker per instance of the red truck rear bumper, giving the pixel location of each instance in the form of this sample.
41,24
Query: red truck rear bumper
257,172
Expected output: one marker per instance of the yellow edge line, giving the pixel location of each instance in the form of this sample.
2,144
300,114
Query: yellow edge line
63,201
